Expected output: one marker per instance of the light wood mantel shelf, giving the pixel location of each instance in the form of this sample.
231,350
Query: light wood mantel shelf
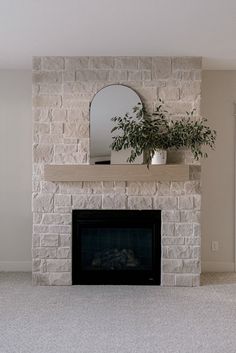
122,172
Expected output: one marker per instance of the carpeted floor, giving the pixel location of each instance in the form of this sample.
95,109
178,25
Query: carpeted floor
117,319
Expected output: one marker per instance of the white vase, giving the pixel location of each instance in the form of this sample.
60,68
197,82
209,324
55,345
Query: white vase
159,157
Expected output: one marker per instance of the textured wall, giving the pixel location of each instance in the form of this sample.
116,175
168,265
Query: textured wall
62,91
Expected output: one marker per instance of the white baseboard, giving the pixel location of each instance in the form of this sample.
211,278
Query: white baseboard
212,266
15,266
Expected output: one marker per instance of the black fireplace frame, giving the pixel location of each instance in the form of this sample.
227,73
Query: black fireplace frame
139,218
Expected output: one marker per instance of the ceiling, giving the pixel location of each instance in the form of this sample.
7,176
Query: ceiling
118,27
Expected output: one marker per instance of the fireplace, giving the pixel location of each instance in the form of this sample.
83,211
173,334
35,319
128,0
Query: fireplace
116,247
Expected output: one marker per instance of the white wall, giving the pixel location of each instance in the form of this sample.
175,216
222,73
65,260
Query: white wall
218,97
15,170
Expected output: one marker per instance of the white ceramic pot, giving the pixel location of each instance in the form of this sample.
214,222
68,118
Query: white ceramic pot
159,157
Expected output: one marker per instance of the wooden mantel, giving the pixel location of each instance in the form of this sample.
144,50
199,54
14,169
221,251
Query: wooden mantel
122,172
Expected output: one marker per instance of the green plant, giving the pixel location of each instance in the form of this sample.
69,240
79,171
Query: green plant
144,132
193,134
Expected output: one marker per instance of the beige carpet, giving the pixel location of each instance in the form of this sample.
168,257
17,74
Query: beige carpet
117,319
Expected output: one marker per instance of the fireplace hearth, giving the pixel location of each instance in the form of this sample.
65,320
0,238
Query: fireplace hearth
116,247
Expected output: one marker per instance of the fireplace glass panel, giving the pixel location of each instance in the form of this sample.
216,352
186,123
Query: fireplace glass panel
116,246
107,248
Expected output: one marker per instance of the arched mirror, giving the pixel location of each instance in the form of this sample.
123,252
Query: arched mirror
113,100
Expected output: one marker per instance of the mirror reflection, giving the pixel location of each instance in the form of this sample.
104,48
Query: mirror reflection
113,100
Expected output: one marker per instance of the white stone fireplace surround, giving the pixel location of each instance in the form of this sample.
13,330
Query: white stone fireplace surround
63,88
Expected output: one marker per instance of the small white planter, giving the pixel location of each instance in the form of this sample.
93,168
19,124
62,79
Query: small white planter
159,157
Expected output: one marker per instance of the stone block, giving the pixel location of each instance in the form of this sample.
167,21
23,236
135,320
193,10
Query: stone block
47,77
36,184
108,187
64,253
145,62
190,216
197,202
178,107
58,115
37,218
52,89
71,187
49,240
193,240
79,129
139,202
60,279
92,187
53,63
50,139
74,115
165,202
44,253
87,201
36,263
41,279
76,63
62,200
35,240
178,252
60,229
186,63
44,101
146,75
186,202
126,62
184,229
172,266
141,188
41,128
167,280
65,148
172,240
118,75
187,280
161,67
58,265
65,240
42,153
72,158
62,209
56,218
167,229
114,201
56,128
197,230
92,75
197,252
177,188
169,93
40,228
49,187
192,187
102,62
40,115
170,216
163,188
68,76
42,202
120,187
134,75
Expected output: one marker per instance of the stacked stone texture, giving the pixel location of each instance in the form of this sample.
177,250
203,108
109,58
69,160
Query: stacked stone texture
63,88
